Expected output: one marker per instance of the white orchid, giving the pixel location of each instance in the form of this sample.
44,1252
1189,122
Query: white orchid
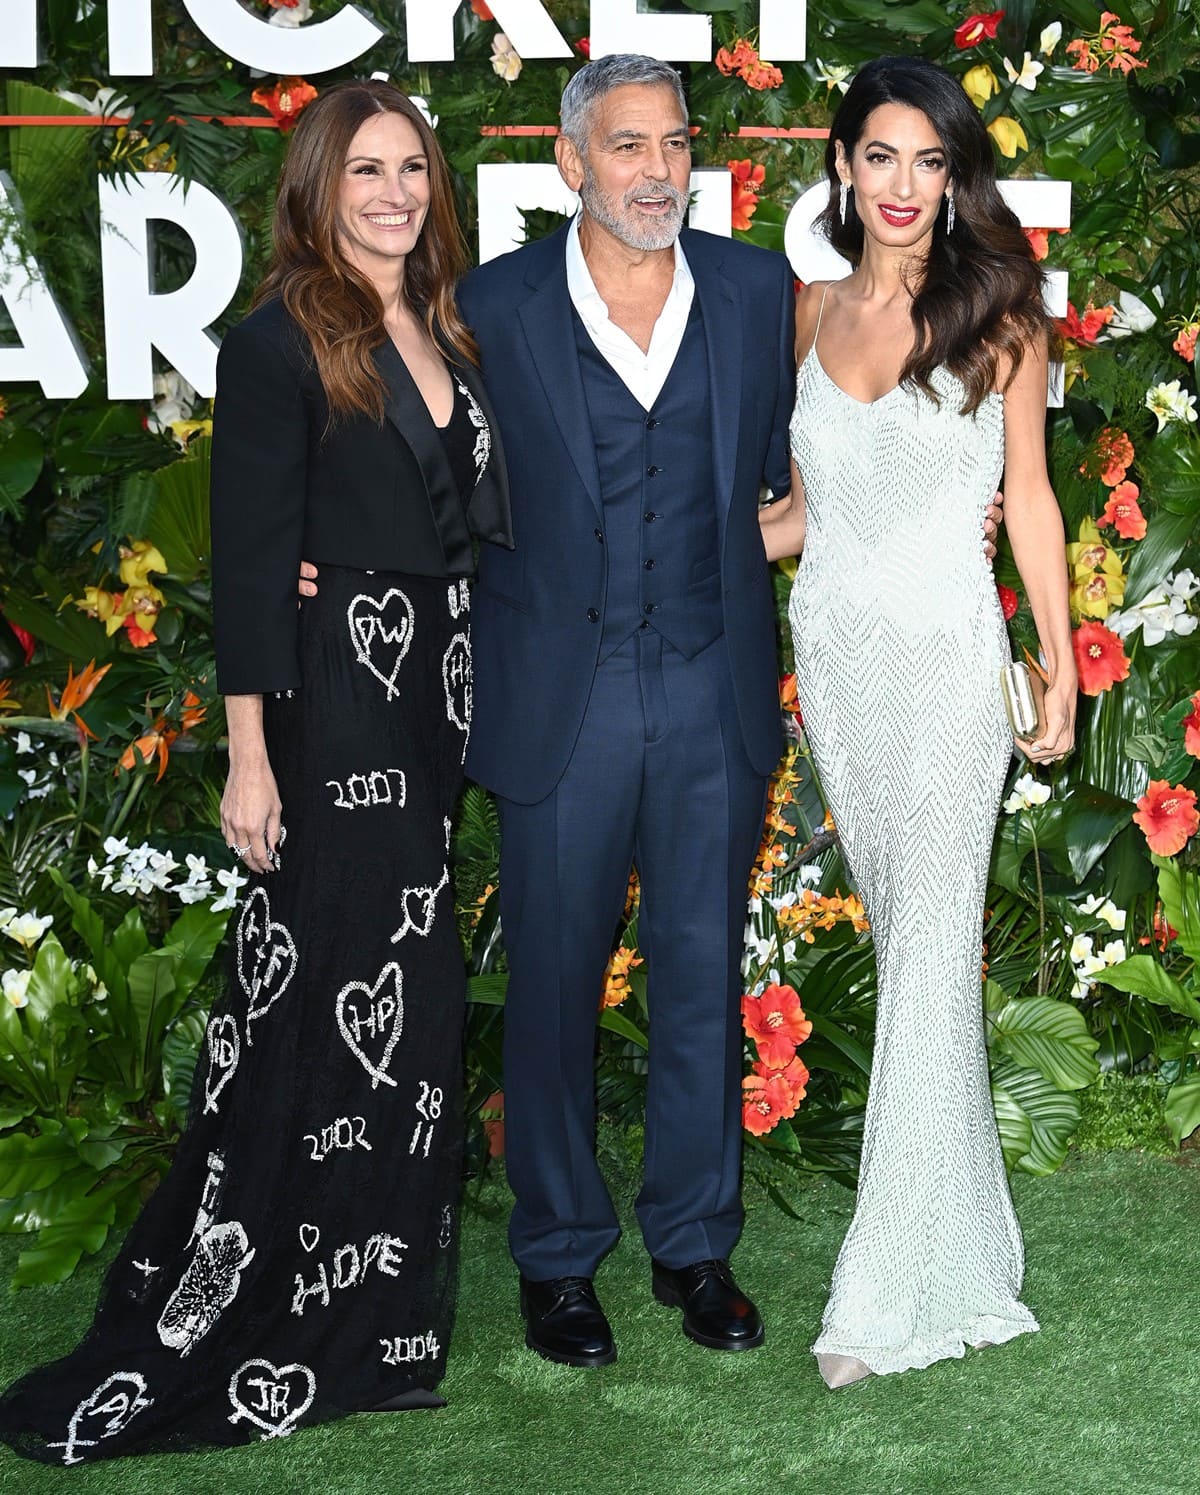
15,985
1161,612
1105,911
1026,793
231,880
106,101
292,15
1132,315
1027,75
1171,402
174,399
27,929
1082,948
114,849
506,60
833,76
1050,38
23,743
422,105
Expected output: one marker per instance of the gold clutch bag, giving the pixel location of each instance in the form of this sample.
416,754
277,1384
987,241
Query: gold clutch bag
1024,692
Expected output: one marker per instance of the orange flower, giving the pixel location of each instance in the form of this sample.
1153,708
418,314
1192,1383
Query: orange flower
76,693
1085,329
1124,512
776,1022
766,1101
616,984
157,742
1167,816
1112,47
285,100
1039,240
482,10
976,28
795,1075
1110,457
743,59
730,61
8,702
1191,727
746,178
1099,658
1163,933
788,698
1185,343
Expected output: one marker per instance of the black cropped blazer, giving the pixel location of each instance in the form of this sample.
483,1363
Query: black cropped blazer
286,485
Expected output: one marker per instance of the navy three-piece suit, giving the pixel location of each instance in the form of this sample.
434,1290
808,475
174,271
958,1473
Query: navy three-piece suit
626,710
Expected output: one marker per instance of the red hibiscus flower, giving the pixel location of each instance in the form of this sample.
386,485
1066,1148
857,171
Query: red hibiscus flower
745,179
1124,512
1009,601
483,10
776,1022
585,45
795,1075
766,1101
491,1113
1099,658
285,100
977,28
1168,817
1191,727
1185,343
1087,328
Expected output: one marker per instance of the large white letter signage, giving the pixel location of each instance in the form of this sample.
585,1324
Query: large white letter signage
430,29
290,50
48,353
619,26
136,320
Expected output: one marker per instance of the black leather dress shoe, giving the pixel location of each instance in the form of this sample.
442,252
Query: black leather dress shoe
716,1313
565,1323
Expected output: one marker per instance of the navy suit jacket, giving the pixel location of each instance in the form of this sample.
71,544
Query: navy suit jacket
538,610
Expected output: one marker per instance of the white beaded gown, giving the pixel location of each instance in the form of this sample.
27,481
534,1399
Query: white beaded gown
899,641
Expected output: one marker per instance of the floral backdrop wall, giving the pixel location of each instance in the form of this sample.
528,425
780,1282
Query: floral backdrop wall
114,885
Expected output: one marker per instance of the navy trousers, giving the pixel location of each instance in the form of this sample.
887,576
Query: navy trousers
659,777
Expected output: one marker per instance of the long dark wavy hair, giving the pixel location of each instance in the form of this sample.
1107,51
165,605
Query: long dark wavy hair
977,296
335,304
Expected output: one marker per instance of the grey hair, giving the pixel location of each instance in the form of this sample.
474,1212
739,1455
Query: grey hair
595,79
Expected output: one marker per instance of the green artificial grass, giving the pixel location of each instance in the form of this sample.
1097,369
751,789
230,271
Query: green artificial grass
1104,1399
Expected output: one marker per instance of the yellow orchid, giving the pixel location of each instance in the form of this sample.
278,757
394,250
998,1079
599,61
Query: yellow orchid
980,83
98,603
184,430
1097,575
138,559
1008,135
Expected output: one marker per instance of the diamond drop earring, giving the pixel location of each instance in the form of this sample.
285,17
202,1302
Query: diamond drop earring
843,198
949,212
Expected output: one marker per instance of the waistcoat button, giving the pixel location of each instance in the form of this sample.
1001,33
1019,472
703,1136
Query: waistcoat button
649,516
592,615
599,534
651,470
649,565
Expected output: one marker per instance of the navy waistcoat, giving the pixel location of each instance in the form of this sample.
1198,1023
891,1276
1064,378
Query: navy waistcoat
660,509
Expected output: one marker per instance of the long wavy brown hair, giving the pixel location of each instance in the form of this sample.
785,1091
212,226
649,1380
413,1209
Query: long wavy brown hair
335,304
977,297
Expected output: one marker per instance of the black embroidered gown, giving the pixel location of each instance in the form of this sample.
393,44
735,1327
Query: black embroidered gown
297,1262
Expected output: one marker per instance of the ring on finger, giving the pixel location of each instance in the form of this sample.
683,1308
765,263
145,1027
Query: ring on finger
240,851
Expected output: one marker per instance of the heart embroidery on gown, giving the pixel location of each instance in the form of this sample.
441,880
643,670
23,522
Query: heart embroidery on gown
273,1398
224,1049
381,631
266,957
456,680
371,1019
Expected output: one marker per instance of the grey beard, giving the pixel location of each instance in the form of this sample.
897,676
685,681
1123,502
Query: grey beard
618,216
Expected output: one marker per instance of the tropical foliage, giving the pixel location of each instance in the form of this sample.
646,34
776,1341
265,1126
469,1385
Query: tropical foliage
111,753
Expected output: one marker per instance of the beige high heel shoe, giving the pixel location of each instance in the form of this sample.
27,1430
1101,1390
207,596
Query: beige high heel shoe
841,1370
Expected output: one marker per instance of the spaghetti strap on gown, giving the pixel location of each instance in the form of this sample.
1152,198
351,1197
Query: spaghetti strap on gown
899,642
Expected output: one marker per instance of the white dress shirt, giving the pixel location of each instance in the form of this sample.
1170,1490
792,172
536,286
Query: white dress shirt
643,374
